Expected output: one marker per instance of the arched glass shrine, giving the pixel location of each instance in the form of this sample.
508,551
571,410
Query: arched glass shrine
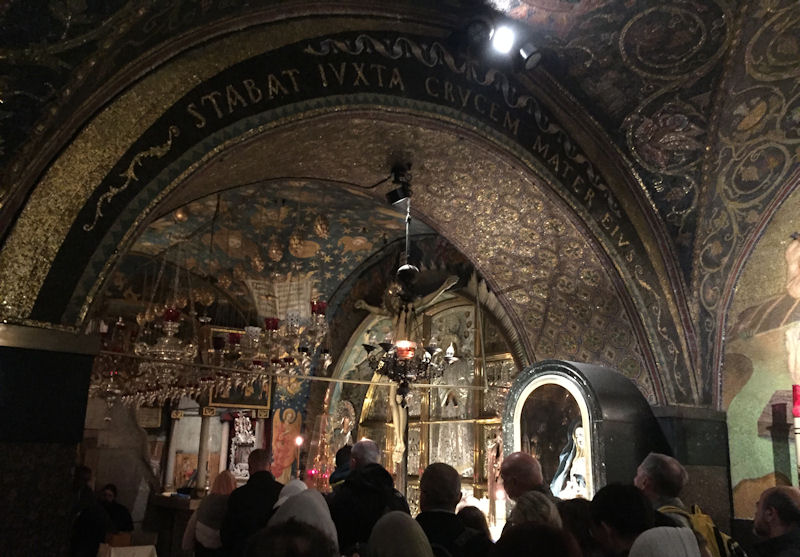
553,420
588,425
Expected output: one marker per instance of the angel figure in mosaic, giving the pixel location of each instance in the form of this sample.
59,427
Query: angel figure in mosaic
792,255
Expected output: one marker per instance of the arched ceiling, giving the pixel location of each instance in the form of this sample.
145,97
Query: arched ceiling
270,231
696,101
561,293
646,71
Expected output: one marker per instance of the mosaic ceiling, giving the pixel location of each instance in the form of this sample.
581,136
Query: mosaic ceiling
645,70
271,231
698,99
565,301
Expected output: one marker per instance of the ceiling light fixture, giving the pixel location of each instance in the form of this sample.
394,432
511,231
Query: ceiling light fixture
493,37
503,38
530,55
401,180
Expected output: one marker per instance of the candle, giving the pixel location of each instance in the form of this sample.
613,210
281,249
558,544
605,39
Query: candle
406,349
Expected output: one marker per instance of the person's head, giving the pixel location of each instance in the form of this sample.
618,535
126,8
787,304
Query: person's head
777,511
224,483
660,475
343,456
576,518
533,506
308,507
292,487
396,534
473,517
258,461
666,541
578,435
579,438
108,493
535,539
439,487
520,472
619,514
292,538
364,452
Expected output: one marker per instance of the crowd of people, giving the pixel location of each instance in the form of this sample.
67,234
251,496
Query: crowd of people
365,516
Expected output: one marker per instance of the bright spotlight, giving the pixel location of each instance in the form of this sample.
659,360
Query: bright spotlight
503,39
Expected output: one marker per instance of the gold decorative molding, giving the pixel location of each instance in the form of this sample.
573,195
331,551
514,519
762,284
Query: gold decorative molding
157,151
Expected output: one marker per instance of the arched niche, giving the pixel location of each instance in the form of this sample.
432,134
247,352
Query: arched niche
552,397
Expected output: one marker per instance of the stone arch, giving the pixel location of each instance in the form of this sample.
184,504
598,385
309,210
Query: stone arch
113,179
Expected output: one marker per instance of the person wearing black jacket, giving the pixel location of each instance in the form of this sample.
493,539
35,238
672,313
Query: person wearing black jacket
250,506
342,466
439,493
120,515
367,494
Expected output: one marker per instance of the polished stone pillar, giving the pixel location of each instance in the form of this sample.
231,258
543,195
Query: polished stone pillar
201,486
223,445
259,433
169,469
699,440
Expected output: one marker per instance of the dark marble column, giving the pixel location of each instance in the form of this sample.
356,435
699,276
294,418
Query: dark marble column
699,440
44,380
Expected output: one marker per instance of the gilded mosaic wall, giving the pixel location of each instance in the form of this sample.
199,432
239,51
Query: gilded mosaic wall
54,53
651,73
544,267
757,374
755,162
648,71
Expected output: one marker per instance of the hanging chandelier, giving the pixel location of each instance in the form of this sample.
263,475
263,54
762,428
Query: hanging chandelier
286,346
162,367
170,369
409,357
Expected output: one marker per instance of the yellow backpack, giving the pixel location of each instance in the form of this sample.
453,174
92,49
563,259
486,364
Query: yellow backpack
718,543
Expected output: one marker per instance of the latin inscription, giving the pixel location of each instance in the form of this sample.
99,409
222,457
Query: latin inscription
361,75
522,121
223,103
